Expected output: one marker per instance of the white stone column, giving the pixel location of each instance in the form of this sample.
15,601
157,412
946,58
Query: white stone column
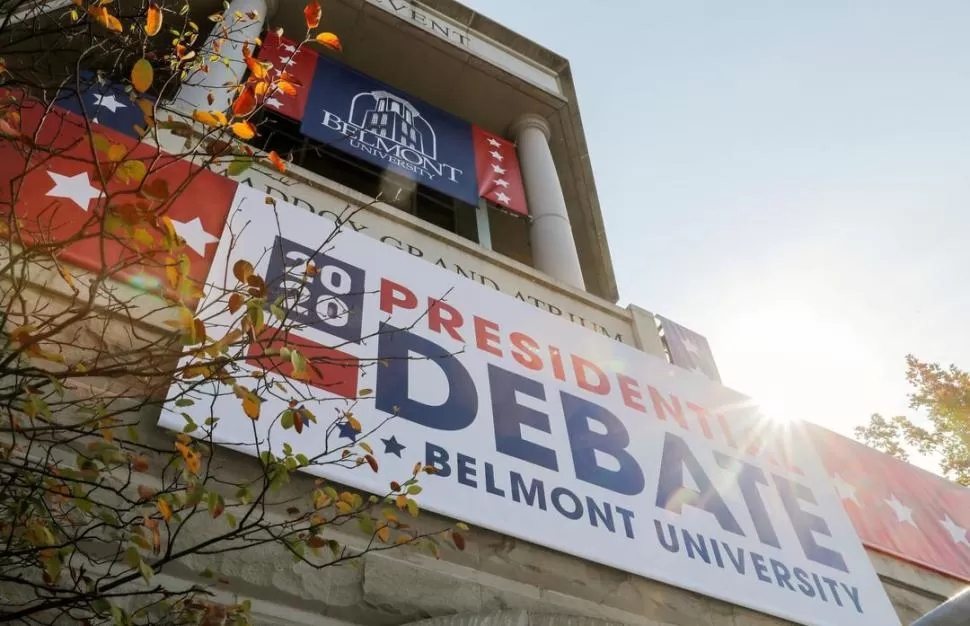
553,246
193,95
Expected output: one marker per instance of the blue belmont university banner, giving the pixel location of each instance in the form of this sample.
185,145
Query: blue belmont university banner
384,126
540,429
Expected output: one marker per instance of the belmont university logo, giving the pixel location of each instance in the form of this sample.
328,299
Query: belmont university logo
387,126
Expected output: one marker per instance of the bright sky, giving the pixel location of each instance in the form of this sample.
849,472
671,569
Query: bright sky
790,179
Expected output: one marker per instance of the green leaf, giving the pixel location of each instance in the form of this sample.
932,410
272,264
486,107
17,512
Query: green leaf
287,449
366,525
462,526
238,166
286,421
146,571
331,493
132,557
231,519
412,507
184,402
414,490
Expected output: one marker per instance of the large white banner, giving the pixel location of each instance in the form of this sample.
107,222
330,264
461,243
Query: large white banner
545,431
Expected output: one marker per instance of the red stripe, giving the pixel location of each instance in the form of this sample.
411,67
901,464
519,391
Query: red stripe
499,175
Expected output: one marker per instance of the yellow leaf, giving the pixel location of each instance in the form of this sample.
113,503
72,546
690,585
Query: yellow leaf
153,21
131,171
210,118
401,502
329,40
192,458
402,540
354,423
384,534
343,507
143,237
116,152
244,130
412,507
251,405
142,75
366,447
165,509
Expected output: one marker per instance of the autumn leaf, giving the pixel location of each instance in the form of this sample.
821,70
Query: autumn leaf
165,509
242,270
142,75
192,458
235,302
131,171
101,16
259,69
312,12
246,101
156,189
244,130
354,422
146,493
277,162
251,405
116,152
139,463
153,21
10,124
384,534
458,540
371,461
210,118
286,87
329,40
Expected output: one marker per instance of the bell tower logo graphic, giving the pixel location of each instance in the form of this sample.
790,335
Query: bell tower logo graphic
394,118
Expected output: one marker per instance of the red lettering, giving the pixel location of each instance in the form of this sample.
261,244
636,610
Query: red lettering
663,408
436,321
701,414
581,366
556,359
393,294
526,355
486,336
630,393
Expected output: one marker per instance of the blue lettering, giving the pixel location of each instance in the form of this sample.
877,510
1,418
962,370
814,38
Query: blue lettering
807,524
673,545
804,584
596,515
557,496
695,545
748,478
760,569
782,575
437,457
535,493
672,494
628,479
509,416
396,347
490,481
466,470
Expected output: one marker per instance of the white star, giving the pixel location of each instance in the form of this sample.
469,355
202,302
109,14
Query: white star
492,141
286,60
845,490
288,47
109,102
501,197
903,512
273,102
501,182
691,347
496,155
957,533
194,234
77,188
498,169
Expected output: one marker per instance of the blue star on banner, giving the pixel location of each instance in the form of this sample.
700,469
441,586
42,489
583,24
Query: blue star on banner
104,103
391,446
347,431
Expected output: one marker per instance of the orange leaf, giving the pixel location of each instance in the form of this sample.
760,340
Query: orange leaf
235,302
192,460
329,40
251,406
246,102
116,152
261,88
275,159
165,509
371,461
142,75
101,16
145,493
259,69
313,13
153,22
10,123
384,533
459,540
244,130
287,88
210,118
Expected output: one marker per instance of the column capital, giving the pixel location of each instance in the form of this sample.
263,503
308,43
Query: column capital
531,120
